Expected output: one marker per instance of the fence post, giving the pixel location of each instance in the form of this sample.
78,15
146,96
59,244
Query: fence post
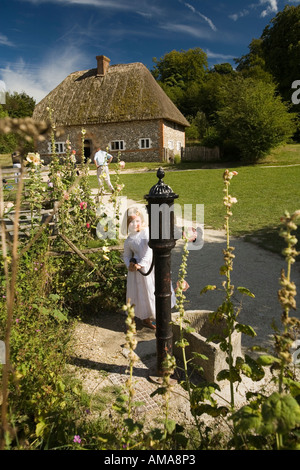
162,240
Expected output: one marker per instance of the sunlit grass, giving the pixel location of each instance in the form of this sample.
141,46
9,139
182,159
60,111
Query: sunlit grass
263,194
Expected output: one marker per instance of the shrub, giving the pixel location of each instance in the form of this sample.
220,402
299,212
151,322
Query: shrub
255,119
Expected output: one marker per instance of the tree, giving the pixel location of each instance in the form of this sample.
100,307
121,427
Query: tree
19,105
212,94
252,65
181,74
281,48
275,55
7,141
178,68
224,69
254,118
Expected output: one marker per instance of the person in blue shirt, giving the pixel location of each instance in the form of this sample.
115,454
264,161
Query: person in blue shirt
102,160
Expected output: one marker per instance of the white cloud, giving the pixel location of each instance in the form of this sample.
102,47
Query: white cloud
4,41
242,13
272,7
205,18
218,55
39,81
137,6
186,29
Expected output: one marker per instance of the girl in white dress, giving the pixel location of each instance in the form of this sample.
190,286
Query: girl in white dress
138,256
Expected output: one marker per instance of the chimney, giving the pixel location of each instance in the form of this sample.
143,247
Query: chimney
102,65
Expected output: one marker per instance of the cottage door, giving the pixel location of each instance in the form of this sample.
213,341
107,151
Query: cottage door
87,150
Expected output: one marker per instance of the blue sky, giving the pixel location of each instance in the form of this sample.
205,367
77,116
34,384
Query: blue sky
42,41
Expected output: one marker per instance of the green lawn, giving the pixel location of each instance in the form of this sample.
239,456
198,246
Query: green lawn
264,191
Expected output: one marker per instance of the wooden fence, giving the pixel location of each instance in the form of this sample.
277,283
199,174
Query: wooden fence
201,154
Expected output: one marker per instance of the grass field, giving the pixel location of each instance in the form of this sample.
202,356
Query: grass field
264,191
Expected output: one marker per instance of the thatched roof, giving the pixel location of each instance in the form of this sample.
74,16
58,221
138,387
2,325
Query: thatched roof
127,92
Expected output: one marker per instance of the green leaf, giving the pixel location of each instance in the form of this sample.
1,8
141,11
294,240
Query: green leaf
59,315
246,419
159,391
245,291
54,297
182,343
214,339
132,425
280,413
40,427
201,356
225,375
267,360
210,410
170,426
254,370
294,386
189,329
203,392
246,329
207,288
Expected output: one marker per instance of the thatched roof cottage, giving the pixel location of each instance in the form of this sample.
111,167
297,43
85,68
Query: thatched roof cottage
121,107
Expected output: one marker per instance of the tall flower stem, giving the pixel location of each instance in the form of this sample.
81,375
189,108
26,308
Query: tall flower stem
131,343
10,295
286,295
228,259
182,343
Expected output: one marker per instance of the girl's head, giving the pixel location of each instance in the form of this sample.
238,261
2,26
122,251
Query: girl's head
134,221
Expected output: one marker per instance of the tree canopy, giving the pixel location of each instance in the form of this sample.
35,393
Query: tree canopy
17,105
251,97
276,53
254,118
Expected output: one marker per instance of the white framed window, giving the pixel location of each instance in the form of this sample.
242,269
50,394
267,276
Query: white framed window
117,145
178,146
145,143
171,144
60,147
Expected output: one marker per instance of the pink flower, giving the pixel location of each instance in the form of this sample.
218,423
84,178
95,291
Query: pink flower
77,439
74,151
191,235
83,205
88,225
231,174
122,164
183,285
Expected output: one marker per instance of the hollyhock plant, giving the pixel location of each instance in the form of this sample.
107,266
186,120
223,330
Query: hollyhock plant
34,158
